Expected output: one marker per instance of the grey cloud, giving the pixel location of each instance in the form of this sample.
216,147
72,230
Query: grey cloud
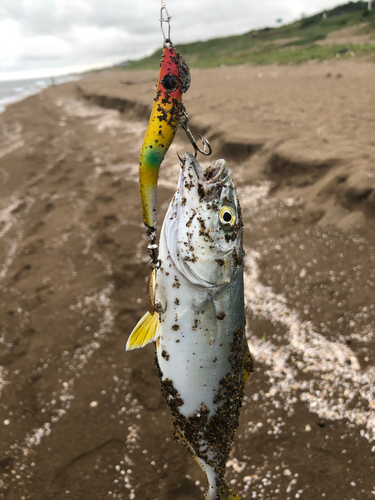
45,18
92,32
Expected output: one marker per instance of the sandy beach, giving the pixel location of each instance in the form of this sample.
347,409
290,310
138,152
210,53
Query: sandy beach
82,419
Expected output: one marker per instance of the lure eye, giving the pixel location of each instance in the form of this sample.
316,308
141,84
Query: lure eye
227,216
170,83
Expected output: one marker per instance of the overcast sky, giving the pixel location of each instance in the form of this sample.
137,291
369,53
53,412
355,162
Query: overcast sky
51,37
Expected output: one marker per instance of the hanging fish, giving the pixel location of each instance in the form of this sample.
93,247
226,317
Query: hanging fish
174,80
197,294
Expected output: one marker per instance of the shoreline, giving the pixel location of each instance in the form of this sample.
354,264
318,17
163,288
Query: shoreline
10,90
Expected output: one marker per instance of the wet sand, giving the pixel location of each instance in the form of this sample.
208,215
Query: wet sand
82,419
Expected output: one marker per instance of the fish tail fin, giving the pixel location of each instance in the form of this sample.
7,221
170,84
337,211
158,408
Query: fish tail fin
224,494
146,331
217,487
231,495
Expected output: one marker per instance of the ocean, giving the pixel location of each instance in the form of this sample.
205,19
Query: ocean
16,90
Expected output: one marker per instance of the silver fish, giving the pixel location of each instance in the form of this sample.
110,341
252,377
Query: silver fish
199,322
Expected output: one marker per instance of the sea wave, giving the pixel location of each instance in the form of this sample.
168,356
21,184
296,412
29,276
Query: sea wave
15,90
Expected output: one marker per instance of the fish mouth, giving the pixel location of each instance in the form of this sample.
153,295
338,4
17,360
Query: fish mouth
207,183
211,179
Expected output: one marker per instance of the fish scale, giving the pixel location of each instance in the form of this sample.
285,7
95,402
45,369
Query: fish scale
197,341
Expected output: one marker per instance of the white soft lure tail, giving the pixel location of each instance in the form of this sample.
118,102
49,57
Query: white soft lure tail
202,353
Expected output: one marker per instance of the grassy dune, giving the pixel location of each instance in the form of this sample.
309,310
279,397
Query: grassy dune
293,43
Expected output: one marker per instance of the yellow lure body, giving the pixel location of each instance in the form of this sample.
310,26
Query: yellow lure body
173,80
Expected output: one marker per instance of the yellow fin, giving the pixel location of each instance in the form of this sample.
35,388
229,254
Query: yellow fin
226,495
146,331
232,496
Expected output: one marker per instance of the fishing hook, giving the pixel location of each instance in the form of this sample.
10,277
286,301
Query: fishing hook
181,159
167,40
206,144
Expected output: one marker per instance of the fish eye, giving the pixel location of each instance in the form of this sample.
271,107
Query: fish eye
227,216
170,82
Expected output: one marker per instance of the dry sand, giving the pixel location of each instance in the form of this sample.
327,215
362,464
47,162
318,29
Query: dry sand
80,418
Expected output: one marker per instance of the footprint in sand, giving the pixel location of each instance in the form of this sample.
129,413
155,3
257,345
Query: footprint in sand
36,227
104,199
62,179
104,240
106,221
49,206
22,272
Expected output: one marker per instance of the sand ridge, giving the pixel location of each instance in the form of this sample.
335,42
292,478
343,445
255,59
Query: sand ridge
300,120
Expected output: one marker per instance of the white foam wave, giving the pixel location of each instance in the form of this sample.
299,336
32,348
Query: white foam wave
337,380
8,221
101,302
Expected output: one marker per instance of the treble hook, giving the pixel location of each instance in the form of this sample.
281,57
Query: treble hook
167,40
206,144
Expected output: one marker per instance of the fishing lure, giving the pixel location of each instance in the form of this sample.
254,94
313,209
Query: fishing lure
167,113
174,79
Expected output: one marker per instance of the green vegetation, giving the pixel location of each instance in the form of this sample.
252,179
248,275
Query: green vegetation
293,43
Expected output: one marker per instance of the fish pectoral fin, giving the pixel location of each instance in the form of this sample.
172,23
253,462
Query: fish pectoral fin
146,331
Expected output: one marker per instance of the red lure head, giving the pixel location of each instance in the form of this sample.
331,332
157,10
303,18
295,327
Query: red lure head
174,76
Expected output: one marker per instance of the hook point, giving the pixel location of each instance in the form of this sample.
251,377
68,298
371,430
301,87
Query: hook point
206,144
181,159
